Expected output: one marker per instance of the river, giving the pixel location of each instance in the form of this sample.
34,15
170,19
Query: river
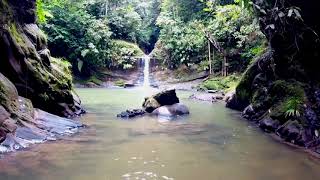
212,143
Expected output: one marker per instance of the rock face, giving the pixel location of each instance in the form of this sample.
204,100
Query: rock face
26,61
280,91
168,97
30,77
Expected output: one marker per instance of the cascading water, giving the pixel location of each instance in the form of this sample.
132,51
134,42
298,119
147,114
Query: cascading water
146,71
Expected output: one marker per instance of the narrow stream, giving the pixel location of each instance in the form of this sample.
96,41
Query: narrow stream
213,143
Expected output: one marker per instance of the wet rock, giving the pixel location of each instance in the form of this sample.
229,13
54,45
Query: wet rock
233,102
9,125
248,111
269,125
291,132
29,134
3,135
3,115
311,117
55,124
172,110
131,113
167,97
150,104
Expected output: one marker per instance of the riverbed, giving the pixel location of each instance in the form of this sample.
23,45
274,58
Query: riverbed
212,143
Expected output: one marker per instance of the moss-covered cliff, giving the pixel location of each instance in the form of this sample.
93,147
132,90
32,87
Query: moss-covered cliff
26,61
29,76
281,89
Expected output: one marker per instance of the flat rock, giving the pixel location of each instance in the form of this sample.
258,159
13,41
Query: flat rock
131,113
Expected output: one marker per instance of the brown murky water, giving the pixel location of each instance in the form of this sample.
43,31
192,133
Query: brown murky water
213,143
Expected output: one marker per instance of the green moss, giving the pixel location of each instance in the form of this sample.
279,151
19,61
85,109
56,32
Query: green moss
243,90
288,97
5,12
281,89
220,83
15,33
120,83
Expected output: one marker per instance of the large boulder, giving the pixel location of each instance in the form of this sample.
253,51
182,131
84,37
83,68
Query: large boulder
168,97
177,109
150,104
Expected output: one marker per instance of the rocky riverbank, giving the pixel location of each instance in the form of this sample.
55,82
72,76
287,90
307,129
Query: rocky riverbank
280,91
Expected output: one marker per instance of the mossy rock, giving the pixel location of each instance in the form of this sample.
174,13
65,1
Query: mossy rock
26,61
150,104
8,95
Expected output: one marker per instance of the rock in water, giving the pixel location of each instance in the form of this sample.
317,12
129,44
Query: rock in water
172,110
168,97
150,104
269,125
131,113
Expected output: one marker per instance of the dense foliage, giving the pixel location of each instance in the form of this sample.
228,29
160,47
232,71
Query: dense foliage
187,26
88,33
91,33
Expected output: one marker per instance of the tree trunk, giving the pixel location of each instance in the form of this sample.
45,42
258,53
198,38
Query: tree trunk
210,62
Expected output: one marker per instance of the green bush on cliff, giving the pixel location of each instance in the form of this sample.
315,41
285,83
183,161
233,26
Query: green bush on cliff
288,98
220,83
124,54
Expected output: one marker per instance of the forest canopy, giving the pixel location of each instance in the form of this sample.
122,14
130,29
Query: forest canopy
94,34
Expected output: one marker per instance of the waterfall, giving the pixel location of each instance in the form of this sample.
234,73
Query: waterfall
146,71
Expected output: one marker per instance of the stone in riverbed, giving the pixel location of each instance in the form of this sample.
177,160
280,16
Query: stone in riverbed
168,97
150,104
291,131
172,110
269,125
131,113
